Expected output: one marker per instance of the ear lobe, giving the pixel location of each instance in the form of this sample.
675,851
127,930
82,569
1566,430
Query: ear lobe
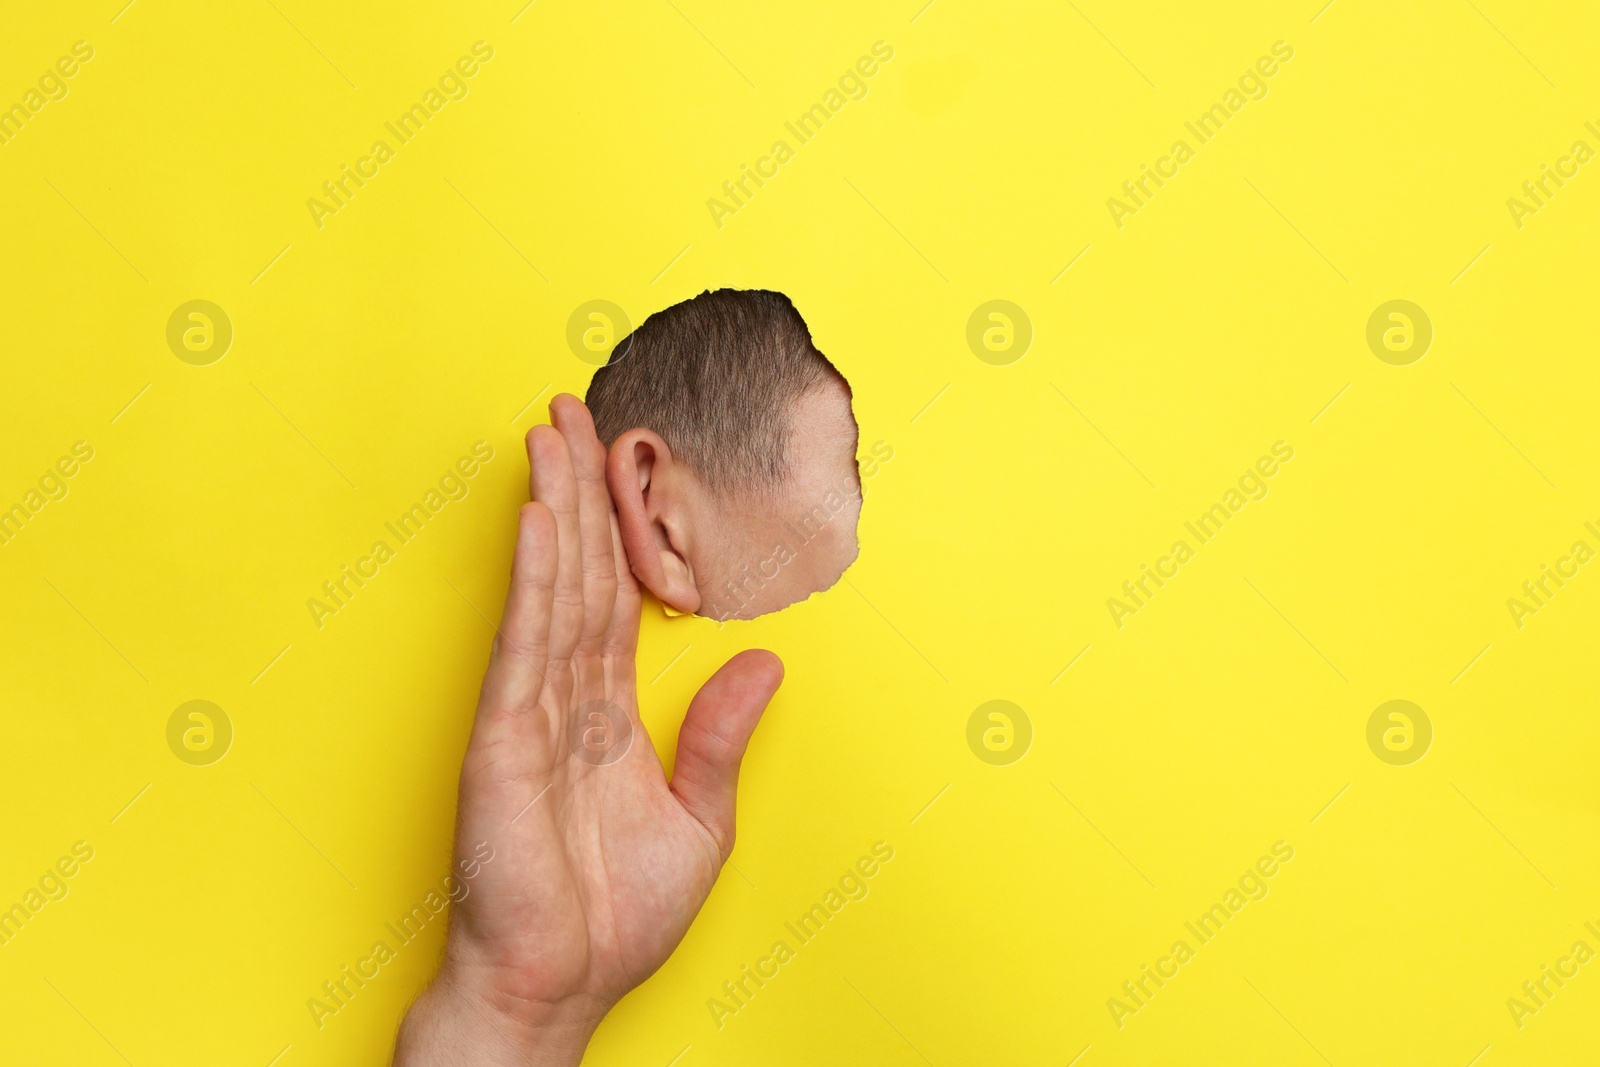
653,516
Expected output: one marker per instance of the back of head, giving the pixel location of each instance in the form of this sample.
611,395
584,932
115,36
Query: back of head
718,377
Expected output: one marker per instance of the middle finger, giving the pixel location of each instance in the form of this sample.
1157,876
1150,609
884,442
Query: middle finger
594,517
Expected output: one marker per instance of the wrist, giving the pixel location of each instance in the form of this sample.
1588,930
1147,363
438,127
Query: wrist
463,1017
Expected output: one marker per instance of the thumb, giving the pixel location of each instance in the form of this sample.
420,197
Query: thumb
721,718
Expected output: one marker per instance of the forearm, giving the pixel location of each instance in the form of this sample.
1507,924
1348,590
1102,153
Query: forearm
451,1025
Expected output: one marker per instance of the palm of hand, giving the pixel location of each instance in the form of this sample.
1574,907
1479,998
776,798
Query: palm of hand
599,865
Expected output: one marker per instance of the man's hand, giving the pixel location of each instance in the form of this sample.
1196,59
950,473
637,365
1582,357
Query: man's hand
599,864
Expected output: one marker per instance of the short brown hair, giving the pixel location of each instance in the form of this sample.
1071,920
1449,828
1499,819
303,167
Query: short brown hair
717,377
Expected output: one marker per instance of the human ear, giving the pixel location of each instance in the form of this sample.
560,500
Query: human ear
651,493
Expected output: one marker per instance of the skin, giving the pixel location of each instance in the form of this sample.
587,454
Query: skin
599,867
749,552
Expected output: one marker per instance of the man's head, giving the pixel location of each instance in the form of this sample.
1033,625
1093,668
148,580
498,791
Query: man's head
731,455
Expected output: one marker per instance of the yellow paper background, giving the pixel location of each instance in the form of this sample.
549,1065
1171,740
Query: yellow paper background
431,310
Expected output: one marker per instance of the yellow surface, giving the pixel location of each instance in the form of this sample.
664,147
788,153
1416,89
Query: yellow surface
430,312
